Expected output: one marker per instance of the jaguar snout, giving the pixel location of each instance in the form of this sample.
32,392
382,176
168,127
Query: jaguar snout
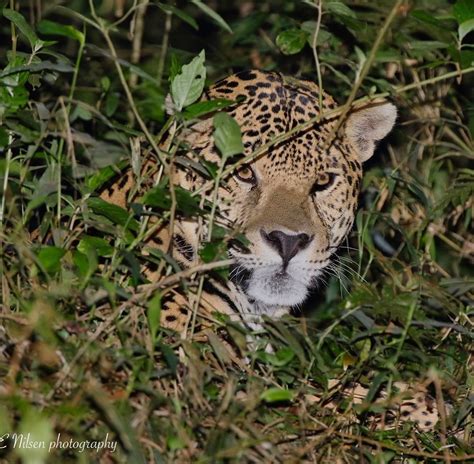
287,245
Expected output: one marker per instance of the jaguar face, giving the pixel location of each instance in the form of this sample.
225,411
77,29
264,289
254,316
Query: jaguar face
297,203
294,213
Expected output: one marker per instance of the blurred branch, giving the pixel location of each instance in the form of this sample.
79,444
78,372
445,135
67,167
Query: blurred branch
147,289
314,44
136,27
164,47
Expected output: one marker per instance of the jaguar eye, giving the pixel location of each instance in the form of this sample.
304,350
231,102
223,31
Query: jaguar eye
323,182
246,174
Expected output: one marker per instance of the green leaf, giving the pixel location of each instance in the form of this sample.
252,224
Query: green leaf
180,14
50,258
101,177
291,41
466,58
227,135
426,45
188,85
3,137
465,28
212,168
219,348
111,103
463,10
426,18
170,357
160,197
340,9
187,203
139,71
36,67
81,262
101,246
105,83
86,261
174,443
153,316
201,108
275,395
213,251
310,27
213,15
175,66
281,358
52,28
114,213
80,112
19,21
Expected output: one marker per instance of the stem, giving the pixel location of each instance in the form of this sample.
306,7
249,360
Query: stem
364,71
68,112
164,47
327,116
126,88
5,179
13,32
196,305
137,39
319,4
411,312
147,289
214,199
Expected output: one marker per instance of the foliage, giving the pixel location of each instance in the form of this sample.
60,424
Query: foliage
83,97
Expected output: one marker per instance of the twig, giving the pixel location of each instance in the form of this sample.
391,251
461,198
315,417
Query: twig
13,32
327,116
441,412
126,88
164,47
175,278
75,75
196,305
5,178
363,73
411,312
119,14
137,33
314,44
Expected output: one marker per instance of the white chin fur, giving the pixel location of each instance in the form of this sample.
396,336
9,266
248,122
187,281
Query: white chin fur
268,288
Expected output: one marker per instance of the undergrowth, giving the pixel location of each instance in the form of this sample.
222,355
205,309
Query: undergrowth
82,98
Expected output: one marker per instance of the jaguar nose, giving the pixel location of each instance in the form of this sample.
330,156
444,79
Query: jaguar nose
286,245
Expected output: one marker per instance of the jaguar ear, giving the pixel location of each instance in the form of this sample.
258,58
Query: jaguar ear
365,126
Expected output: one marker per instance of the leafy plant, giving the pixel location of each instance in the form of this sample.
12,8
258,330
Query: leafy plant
91,90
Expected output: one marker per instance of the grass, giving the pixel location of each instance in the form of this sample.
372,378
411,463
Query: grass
82,353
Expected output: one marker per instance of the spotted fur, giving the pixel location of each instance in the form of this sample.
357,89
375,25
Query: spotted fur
296,203
300,199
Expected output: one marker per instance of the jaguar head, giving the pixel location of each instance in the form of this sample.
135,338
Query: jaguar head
297,203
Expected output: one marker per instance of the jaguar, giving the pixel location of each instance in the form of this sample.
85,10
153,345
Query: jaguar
295,203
